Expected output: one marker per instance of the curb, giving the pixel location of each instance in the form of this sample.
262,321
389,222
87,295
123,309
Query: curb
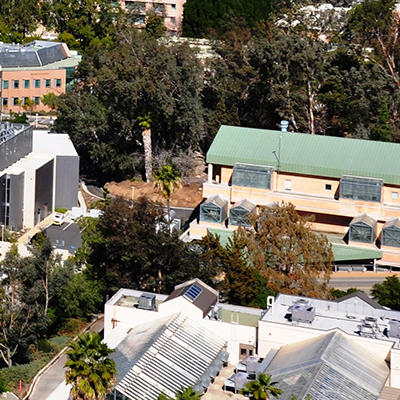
54,359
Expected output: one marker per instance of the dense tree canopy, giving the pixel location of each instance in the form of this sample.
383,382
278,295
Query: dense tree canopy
133,248
138,76
387,293
204,18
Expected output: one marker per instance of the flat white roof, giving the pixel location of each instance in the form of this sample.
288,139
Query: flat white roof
30,162
55,144
346,315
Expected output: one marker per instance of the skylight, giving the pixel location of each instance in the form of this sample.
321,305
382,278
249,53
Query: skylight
193,292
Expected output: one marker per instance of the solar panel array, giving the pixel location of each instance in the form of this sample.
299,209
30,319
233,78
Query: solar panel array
193,292
184,355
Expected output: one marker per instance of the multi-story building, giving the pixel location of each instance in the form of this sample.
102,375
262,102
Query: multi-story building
32,70
333,349
170,10
351,186
39,172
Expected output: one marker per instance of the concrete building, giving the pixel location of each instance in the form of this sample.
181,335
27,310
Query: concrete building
38,173
170,10
311,336
351,186
32,70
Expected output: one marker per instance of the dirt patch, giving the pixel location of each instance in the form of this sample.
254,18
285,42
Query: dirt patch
189,195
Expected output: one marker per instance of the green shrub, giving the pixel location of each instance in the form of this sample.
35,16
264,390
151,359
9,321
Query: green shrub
61,210
71,327
3,387
26,372
45,346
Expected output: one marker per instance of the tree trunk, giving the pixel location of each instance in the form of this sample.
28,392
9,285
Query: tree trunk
169,214
148,155
311,119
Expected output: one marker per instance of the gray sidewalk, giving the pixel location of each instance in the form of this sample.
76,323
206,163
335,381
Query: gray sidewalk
54,375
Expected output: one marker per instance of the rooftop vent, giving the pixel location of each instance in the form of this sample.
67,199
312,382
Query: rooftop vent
369,327
147,301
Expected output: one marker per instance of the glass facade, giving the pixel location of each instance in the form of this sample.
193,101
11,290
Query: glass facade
255,176
391,235
214,210
239,213
361,232
356,188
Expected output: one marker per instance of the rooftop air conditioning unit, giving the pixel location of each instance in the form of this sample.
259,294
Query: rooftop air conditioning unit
302,312
147,301
394,328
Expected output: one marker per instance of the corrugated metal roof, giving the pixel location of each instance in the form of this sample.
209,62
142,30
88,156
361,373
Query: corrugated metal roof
351,253
175,353
306,154
328,367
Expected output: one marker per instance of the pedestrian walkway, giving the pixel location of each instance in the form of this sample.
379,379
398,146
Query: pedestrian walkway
52,379
24,239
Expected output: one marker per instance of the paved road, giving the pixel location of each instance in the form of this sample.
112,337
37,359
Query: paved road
361,280
54,375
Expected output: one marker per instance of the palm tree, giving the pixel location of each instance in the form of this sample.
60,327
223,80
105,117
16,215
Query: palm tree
145,126
261,388
89,369
183,394
167,179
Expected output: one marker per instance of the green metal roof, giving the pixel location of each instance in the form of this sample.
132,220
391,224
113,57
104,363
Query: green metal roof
341,252
306,154
352,253
224,235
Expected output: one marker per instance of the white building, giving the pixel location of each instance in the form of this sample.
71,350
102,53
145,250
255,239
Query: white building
354,322
39,172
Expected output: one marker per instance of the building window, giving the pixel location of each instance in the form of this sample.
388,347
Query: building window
173,20
288,184
328,187
5,84
356,188
173,6
5,101
37,83
395,195
47,83
214,209
243,352
391,234
25,100
362,229
57,82
15,84
15,101
255,176
26,84
36,100
158,7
